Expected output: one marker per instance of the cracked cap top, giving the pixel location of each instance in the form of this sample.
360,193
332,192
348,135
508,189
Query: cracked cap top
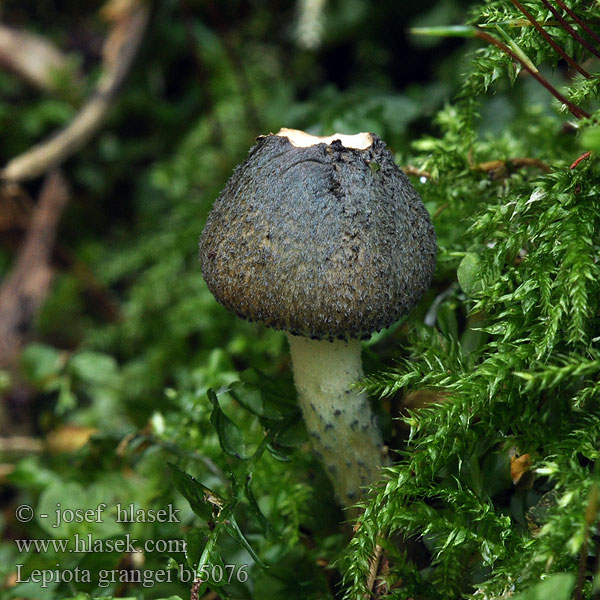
321,237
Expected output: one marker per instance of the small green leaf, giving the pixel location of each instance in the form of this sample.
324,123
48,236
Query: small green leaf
195,540
465,31
214,577
557,587
233,529
292,435
203,500
278,397
5,381
235,489
516,48
468,273
590,139
42,365
264,522
230,435
277,454
94,367
447,320
60,496
66,398
496,472
249,397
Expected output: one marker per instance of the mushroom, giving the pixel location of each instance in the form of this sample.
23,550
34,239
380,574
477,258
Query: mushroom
325,238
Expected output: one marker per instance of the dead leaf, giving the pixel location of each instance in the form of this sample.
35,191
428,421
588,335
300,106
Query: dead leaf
519,467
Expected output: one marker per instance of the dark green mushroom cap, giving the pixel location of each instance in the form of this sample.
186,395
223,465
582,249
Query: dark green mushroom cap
323,241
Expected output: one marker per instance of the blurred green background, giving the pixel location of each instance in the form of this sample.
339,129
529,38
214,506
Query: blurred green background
112,381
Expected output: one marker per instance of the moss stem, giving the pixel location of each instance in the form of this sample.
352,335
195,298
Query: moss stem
342,427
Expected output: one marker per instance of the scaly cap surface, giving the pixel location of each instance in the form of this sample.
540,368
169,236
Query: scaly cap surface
319,239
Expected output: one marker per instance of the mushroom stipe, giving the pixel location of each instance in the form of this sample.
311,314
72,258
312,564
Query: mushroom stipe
326,239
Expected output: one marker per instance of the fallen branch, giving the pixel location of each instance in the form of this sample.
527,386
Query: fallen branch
5,470
469,31
411,170
120,50
565,25
25,288
501,167
374,570
549,39
579,21
573,108
21,443
17,208
34,59
582,157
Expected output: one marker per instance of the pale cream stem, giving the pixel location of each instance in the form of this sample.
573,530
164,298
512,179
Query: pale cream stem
342,427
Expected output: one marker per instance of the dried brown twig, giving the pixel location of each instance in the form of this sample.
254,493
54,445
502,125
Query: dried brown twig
567,27
549,39
33,58
21,443
374,571
503,166
579,21
582,157
411,170
573,108
119,52
15,216
25,288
